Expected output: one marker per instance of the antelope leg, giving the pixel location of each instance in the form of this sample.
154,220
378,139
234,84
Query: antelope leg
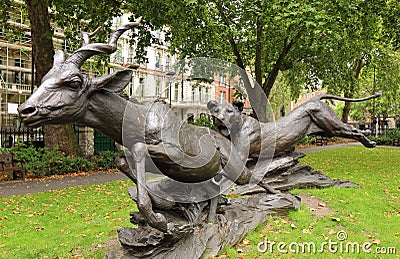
155,220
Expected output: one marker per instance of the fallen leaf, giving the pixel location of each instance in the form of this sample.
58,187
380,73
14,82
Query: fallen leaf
335,219
376,241
293,226
321,205
246,242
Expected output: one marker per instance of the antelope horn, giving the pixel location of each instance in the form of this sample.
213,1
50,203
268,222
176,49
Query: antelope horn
86,36
88,50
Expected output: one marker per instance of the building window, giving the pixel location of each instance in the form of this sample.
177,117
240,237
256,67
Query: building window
306,96
221,97
1,60
130,55
141,86
206,95
19,77
193,93
167,89
200,94
221,80
19,62
176,92
158,58
157,88
167,62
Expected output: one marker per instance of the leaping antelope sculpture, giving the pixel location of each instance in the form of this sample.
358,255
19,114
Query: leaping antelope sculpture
66,95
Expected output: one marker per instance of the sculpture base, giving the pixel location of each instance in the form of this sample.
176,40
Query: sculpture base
234,220
244,209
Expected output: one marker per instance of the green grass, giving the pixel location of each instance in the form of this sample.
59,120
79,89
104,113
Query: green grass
370,213
68,223
72,223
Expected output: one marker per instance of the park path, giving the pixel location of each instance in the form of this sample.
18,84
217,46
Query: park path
18,187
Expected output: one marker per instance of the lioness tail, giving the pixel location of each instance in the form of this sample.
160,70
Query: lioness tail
329,96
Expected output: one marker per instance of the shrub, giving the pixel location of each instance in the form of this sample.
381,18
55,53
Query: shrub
105,160
46,162
382,140
393,133
203,121
308,140
388,138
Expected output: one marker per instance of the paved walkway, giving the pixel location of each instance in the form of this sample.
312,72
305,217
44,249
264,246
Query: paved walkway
319,148
10,188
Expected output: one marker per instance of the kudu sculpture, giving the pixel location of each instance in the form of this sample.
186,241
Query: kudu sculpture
66,95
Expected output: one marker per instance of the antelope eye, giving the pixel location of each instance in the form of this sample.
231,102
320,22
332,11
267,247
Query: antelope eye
74,84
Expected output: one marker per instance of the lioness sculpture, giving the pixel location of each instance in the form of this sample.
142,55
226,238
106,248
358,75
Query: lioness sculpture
313,117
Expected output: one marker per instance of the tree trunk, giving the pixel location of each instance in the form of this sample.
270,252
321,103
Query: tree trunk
346,109
43,52
350,93
258,62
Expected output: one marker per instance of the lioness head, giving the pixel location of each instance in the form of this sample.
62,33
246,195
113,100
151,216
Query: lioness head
227,117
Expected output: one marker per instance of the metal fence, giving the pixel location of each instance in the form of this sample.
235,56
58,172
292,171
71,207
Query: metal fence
10,136
103,143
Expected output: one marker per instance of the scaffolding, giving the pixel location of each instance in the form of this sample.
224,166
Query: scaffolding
16,71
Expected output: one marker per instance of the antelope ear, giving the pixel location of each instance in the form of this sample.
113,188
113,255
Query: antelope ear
114,83
239,105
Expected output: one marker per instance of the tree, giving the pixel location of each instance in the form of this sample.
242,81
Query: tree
308,41
73,16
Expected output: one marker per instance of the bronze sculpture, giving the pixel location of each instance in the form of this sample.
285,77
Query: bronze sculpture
313,117
68,96
183,152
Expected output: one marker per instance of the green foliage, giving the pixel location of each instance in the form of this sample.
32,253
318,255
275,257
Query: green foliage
387,139
203,121
46,162
393,133
307,140
105,160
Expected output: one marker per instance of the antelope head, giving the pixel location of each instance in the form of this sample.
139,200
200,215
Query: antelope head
62,97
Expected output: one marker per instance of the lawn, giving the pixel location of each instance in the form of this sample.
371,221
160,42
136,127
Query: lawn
77,222
68,223
368,216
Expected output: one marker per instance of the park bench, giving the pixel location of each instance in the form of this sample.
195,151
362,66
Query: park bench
321,141
10,164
